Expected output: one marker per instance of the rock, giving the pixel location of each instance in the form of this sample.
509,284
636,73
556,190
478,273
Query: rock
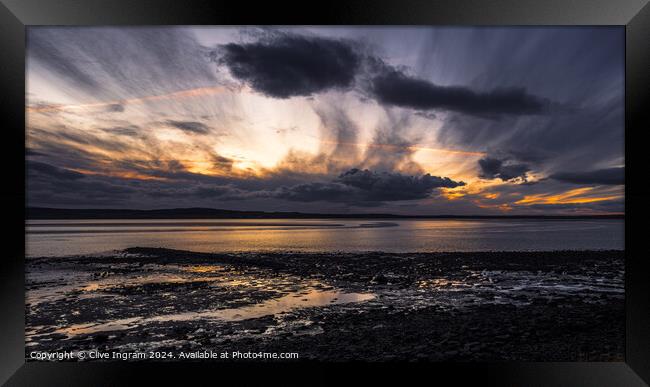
100,338
379,279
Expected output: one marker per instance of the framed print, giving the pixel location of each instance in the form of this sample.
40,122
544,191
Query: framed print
401,190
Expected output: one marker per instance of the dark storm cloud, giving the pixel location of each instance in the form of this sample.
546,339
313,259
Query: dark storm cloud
395,186
189,126
506,170
395,88
317,191
362,187
608,176
287,65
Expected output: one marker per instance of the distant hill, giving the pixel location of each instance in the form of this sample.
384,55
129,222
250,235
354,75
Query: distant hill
212,213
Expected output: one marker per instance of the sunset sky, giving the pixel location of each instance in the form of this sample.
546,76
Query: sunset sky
418,120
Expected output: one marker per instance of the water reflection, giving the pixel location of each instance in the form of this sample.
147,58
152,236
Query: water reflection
119,296
60,238
287,303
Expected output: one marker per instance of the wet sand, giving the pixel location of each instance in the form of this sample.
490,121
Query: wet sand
527,306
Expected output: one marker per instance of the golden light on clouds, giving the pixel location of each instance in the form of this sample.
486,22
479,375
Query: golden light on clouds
491,195
452,193
161,121
505,207
574,196
119,174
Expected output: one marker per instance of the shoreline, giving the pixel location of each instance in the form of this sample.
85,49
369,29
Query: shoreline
374,306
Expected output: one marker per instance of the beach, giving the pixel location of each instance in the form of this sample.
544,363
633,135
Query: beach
369,306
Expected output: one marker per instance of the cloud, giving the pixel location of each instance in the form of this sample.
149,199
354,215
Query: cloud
426,115
189,126
391,148
364,186
32,152
38,168
582,70
213,191
339,133
338,144
608,176
316,191
51,185
437,93
504,169
395,186
611,206
109,63
353,187
115,108
126,130
59,140
222,163
44,47
286,65
392,87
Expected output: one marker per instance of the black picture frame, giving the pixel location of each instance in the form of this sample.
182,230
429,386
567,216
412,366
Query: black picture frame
15,15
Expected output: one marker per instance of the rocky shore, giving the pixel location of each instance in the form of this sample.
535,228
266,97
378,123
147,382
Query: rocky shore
489,306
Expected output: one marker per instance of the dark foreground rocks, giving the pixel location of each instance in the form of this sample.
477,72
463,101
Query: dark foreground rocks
492,306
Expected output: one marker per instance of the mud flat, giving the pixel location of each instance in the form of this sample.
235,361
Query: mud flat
526,306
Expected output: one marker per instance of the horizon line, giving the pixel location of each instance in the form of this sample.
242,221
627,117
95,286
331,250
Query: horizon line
356,214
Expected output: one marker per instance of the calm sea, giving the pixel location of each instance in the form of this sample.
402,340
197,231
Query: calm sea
71,237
